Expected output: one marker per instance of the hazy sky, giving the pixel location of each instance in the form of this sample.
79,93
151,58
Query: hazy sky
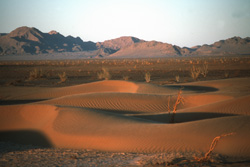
179,22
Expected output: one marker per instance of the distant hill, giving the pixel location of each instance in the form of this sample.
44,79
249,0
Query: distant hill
26,40
30,40
119,43
148,49
109,47
231,46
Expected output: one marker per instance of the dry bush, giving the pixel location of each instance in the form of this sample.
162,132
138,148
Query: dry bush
221,60
63,77
104,74
179,100
226,74
212,147
204,70
147,77
125,78
36,74
177,78
195,72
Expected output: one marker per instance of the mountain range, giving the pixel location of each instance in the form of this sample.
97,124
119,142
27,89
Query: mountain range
26,40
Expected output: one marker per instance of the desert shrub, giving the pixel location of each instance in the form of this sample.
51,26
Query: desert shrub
226,74
221,60
147,77
177,78
204,70
63,77
36,74
104,74
195,72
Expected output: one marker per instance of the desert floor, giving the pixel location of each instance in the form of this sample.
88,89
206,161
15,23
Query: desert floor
124,121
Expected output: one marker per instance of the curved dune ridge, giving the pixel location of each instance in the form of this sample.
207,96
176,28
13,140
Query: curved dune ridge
133,103
132,117
49,93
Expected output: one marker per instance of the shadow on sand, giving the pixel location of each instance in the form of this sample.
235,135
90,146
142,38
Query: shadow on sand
14,102
196,89
182,117
32,138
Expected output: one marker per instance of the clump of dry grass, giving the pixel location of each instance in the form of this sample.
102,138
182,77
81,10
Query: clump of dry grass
179,100
104,74
195,72
212,147
63,77
36,74
147,77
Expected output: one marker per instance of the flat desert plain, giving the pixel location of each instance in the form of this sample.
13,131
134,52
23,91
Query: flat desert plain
123,120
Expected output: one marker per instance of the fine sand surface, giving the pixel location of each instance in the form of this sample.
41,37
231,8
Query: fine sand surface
122,116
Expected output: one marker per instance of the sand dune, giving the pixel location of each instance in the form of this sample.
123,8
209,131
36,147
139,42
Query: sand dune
133,103
28,93
132,117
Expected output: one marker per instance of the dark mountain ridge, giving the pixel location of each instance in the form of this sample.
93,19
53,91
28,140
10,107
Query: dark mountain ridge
26,40
30,40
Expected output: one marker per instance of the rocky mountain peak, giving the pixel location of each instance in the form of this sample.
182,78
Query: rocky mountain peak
53,32
26,33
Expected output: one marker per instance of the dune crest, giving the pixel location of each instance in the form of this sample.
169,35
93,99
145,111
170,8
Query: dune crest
49,93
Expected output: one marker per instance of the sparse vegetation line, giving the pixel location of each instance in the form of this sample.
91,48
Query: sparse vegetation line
36,74
165,71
